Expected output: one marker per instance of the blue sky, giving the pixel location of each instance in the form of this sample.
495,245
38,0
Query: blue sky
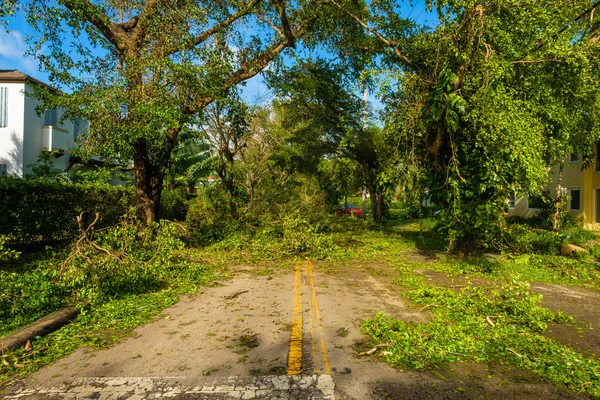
13,48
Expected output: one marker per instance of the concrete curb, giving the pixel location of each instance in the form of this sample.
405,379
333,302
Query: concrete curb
41,327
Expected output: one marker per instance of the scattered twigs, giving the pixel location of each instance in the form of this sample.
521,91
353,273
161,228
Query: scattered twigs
514,352
236,294
459,354
348,327
374,349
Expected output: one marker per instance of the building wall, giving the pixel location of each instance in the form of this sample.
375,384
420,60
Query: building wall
11,137
33,126
586,181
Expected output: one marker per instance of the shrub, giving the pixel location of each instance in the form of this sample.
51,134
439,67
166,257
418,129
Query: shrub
26,296
38,211
210,216
394,213
7,254
520,239
173,205
300,236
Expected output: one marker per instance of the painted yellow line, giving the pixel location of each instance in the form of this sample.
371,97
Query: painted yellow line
295,355
311,281
312,336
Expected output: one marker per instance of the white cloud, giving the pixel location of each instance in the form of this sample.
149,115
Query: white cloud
12,53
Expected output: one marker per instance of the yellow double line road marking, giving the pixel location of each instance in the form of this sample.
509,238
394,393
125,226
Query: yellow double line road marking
295,354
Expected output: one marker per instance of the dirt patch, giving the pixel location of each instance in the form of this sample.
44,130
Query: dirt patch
584,305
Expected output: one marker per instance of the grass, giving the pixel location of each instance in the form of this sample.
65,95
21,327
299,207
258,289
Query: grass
554,269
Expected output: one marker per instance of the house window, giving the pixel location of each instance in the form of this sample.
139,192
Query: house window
51,117
3,169
597,156
541,201
575,202
511,200
574,158
3,107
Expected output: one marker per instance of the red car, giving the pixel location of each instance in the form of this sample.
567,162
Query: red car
352,210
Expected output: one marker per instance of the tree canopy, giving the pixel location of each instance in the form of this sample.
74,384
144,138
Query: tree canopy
471,105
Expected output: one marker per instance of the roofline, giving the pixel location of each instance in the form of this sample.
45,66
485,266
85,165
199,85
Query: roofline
24,79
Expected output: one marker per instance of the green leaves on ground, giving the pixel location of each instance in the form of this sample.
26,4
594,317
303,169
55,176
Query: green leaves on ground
485,324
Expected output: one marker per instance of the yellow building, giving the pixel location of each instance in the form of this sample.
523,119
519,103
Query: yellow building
582,187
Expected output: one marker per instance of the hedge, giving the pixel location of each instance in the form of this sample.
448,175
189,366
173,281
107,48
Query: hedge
37,212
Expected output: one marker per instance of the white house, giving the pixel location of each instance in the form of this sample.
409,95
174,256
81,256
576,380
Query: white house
23,134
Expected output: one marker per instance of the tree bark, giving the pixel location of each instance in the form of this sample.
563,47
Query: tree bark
148,188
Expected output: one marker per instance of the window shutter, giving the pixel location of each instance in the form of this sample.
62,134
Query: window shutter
3,107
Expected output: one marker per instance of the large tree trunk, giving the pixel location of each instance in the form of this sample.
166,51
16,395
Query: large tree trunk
148,185
148,189
376,192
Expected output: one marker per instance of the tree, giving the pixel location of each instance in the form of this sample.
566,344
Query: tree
227,131
142,71
327,118
479,96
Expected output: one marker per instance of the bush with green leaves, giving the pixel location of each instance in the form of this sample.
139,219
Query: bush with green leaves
210,216
173,205
6,253
27,296
42,211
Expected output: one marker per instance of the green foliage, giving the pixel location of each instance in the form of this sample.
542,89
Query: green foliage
522,239
28,295
173,205
99,70
460,329
35,211
326,118
567,269
103,265
293,236
210,216
6,253
121,260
